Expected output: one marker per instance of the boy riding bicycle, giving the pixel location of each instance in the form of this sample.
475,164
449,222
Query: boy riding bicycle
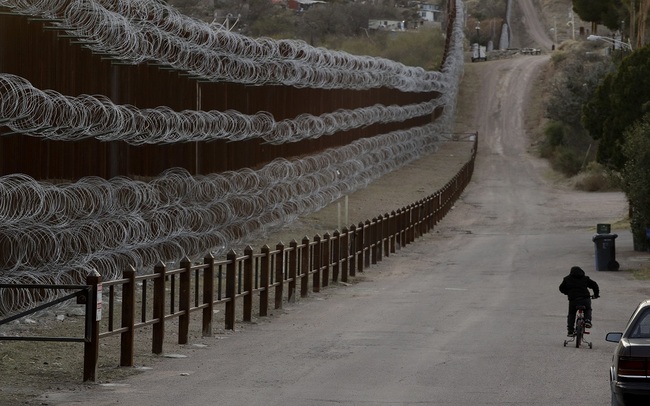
576,286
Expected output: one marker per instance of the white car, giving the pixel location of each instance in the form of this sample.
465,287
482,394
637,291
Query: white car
478,53
630,370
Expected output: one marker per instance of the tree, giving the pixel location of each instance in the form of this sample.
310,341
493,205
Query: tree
575,73
267,19
636,179
605,12
644,7
323,24
619,101
637,11
578,73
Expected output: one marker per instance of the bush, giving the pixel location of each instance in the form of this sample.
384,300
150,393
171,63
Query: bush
563,158
566,161
554,134
592,182
423,47
596,178
575,73
638,228
553,137
636,178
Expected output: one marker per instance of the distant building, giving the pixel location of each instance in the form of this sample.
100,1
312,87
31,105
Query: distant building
389,25
430,12
301,5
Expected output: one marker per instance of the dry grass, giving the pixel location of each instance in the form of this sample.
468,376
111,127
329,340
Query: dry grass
642,273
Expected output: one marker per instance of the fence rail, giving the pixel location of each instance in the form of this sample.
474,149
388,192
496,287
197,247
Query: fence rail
90,295
270,277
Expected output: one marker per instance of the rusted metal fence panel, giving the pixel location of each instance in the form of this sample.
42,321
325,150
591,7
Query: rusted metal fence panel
30,47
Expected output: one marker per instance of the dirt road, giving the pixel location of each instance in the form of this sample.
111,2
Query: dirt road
468,315
534,28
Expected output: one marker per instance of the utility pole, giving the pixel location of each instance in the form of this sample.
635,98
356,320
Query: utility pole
572,23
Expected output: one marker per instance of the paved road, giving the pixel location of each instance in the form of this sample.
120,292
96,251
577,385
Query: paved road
467,315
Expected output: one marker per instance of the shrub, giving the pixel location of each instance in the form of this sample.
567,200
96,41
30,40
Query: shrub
591,182
636,178
566,161
596,178
553,137
554,134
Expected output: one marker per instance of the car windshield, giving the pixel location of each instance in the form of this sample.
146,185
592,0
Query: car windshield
642,327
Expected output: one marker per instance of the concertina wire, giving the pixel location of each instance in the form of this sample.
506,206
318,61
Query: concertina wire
52,233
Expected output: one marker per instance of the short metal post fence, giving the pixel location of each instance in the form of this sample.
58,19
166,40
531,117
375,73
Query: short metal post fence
248,283
326,259
359,239
265,268
184,301
304,267
345,254
279,274
352,251
374,240
231,294
379,238
421,215
412,221
317,263
208,295
336,255
127,337
392,224
386,234
159,308
293,271
401,231
91,345
367,243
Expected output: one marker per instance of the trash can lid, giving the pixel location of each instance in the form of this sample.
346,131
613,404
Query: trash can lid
604,237
603,228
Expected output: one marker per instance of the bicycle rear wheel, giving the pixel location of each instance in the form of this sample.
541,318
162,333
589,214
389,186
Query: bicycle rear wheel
579,333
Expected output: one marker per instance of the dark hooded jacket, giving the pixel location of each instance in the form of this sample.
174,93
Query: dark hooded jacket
576,285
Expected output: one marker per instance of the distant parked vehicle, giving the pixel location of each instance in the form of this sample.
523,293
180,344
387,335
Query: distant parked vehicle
531,51
630,370
478,53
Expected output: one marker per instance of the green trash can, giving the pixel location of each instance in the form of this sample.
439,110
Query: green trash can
605,245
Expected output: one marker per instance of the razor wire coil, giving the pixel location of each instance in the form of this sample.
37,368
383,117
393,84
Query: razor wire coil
55,233
168,37
49,114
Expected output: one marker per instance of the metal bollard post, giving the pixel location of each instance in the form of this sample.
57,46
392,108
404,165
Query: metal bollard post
94,307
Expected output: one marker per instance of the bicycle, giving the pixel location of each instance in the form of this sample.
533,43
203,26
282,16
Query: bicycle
580,329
